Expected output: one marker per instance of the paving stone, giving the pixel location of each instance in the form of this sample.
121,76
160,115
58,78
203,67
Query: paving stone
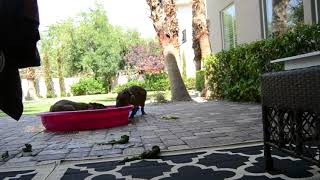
180,147
78,155
18,164
133,151
105,152
168,137
101,147
151,140
78,150
200,142
20,159
123,146
52,152
173,142
47,157
189,137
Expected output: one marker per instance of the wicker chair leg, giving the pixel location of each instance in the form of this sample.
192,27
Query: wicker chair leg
268,161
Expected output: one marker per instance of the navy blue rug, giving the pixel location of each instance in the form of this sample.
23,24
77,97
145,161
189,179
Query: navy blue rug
245,163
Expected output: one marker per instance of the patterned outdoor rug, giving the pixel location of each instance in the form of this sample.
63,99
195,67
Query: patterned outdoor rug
238,163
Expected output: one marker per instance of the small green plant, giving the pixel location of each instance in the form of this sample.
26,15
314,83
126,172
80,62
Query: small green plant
190,83
160,97
87,86
5,155
169,117
27,148
123,140
200,80
150,154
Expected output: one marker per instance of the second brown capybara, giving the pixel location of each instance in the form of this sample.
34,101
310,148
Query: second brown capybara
134,95
67,105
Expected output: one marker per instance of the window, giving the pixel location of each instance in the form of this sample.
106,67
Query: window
184,36
317,11
295,14
229,32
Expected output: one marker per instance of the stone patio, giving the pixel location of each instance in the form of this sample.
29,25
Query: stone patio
205,124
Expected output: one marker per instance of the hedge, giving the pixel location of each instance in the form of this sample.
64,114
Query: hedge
235,74
87,86
152,82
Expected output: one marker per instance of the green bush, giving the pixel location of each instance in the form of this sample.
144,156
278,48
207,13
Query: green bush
235,74
160,97
152,82
190,83
119,88
87,86
157,82
200,80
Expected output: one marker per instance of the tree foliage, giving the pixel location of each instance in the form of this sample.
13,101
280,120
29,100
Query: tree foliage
145,58
89,45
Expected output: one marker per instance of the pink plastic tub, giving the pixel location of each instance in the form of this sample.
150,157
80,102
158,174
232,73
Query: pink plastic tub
111,116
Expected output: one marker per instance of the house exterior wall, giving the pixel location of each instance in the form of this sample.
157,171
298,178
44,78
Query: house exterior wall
184,16
248,21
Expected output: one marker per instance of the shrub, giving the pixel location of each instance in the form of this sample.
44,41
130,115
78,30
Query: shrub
200,80
157,82
190,83
235,74
160,97
152,82
119,88
87,86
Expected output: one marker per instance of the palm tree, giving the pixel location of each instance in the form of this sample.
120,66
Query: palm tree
60,75
47,75
32,92
279,16
201,42
163,15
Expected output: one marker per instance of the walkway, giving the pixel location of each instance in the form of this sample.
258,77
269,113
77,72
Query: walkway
199,125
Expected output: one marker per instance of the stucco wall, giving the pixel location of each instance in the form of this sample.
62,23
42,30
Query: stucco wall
184,16
42,87
248,21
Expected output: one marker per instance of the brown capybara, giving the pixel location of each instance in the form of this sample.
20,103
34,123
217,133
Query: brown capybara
134,95
66,105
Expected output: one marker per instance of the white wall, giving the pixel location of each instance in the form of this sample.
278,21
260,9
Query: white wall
184,16
42,87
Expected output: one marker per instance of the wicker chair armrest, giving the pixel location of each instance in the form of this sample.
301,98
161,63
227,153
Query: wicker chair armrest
297,89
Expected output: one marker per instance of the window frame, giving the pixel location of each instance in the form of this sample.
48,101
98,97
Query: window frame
265,15
222,26
316,11
184,36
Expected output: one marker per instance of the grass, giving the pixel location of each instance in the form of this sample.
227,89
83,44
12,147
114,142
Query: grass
43,105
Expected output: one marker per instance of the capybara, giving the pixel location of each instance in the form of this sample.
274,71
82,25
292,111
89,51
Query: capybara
134,95
66,105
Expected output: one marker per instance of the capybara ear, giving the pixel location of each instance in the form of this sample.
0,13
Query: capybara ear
132,99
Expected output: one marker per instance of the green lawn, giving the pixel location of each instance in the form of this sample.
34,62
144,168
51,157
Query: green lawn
43,105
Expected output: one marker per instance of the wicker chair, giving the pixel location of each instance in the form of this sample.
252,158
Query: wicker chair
291,113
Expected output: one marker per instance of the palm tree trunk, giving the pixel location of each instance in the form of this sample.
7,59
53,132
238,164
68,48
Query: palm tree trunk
279,16
163,15
47,76
32,90
60,75
201,39
200,28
